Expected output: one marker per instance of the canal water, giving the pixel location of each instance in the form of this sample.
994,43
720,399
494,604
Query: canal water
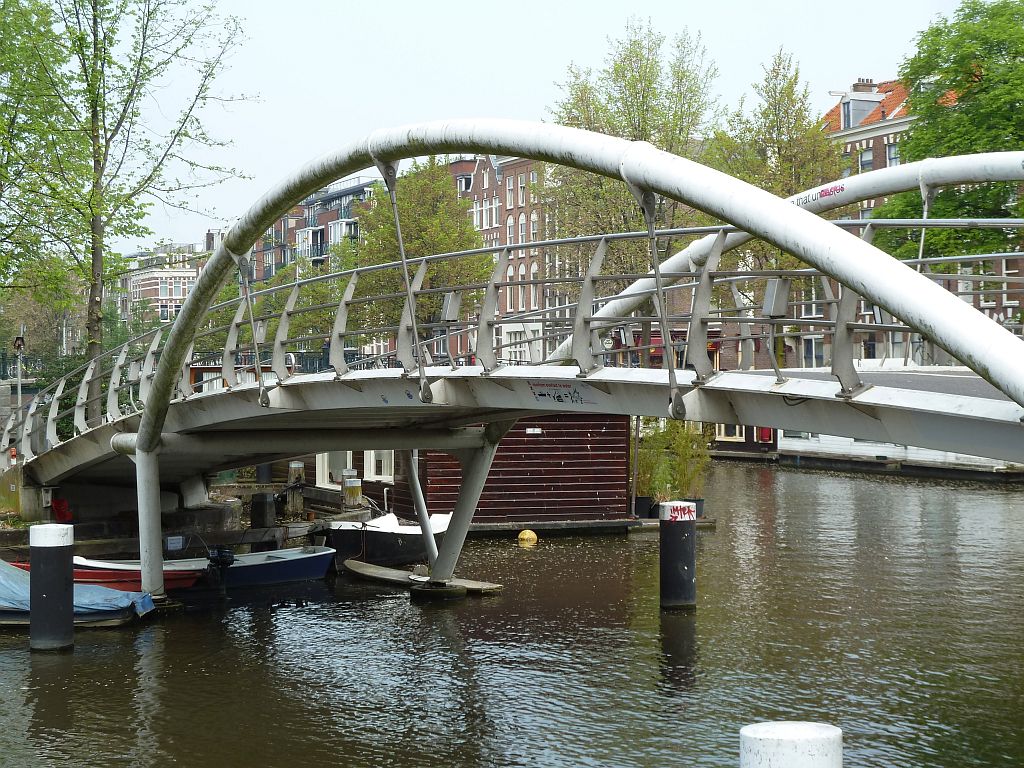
889,607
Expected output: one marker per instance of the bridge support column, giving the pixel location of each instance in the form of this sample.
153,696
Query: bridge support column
476,463
412,464
151,557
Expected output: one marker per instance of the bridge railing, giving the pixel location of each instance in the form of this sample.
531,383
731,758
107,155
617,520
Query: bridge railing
509,305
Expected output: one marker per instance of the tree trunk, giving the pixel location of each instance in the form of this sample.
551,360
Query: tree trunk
94,312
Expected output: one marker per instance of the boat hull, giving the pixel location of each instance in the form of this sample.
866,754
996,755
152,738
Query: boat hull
14,617
255,569
387,545
129,581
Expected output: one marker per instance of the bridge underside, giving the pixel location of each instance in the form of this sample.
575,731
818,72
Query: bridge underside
381,410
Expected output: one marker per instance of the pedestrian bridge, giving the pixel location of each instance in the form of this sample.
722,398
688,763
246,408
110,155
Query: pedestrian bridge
447,351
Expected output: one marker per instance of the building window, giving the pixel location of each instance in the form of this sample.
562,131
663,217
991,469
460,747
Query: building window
517,346
465,183
487,179
533,186
534,228
379,465
476,213
522,287
866,160
163,288
510,233
510,276
1011,290
509,192
988,289
735,433
496,205
534,287
814,352
809,306
487,213
330,467
846,116
892,154
522,227
164,312
522,189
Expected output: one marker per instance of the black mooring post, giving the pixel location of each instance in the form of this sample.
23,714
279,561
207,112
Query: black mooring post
51,587
677,532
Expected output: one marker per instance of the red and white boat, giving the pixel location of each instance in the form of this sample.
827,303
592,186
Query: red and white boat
128,580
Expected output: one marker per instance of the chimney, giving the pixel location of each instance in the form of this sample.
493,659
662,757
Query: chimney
864,85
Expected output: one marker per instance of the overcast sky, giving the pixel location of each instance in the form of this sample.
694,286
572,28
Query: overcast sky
327,72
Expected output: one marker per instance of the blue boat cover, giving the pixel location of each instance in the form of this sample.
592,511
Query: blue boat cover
14,593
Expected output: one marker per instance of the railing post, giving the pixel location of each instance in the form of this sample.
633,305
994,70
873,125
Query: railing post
227,360
278,359
584,335
337,348
114,387
408,348
700,307
489,313
843,314
81,422
51,418
149,367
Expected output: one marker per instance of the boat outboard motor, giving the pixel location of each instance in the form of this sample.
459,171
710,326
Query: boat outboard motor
221,557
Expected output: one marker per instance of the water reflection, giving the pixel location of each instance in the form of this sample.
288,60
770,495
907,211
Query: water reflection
679,653
888,607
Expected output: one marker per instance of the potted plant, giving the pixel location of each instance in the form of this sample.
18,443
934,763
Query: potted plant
672,463
687,447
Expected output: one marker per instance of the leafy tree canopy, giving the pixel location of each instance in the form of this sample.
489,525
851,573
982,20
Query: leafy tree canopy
434,220
777,145
650,89
966,92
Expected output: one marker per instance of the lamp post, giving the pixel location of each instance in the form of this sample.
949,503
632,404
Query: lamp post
19,350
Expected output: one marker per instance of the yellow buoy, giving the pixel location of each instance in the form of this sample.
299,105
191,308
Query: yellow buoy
527,538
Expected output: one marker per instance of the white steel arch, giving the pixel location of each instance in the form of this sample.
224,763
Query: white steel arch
986,347
925,175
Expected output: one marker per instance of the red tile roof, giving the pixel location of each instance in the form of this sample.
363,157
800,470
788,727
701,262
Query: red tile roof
892,105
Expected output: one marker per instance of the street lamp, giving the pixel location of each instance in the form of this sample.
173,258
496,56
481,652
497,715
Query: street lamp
19,349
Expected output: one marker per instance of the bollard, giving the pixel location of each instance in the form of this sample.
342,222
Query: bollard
790,744
51,587
296,477
677,535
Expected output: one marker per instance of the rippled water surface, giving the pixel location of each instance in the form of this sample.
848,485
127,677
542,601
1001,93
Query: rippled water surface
892,608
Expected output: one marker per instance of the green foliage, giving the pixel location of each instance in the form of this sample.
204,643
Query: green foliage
652,90
673,460
433,220
29,134
966,91
88,153
777,145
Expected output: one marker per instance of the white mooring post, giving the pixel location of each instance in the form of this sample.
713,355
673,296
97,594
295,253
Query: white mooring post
791,744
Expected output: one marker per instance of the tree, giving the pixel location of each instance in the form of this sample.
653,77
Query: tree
113,152
434,220
778,146
965,88
30,132
643,93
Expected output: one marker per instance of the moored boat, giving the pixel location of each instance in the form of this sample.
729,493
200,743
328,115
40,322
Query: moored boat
130,581
384,540
254,569
94,605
